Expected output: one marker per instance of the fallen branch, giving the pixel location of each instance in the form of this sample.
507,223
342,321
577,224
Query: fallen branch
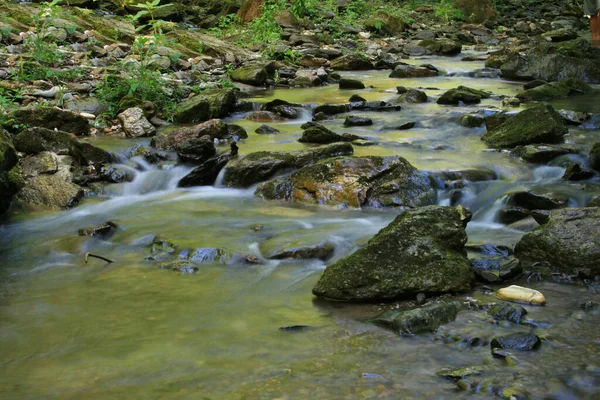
87,255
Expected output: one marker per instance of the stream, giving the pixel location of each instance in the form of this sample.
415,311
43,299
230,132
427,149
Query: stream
125,330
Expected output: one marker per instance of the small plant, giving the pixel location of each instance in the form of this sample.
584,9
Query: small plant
42,49
150,8
446,11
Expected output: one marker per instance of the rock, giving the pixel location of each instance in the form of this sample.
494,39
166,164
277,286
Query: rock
574,117
555,90
422,250
206,173
183,266
286,112
266,130
521,294
516,341
51,189
317,133
210,104
425,319
263,165
412,96
560,35
541,154
196,150
253,74
458,373
357,99
538,124
352,62
347,83
355,182
568,241
179,138
511,102
103,231
306,78
322,251
286,19
595,157
51,118
411,71
575,173
537,201
332,109
477,11
385,24
507,312
441,46
194,42
533,84
358,121
263,116
462,94
210,254
135,123
472,120
592,124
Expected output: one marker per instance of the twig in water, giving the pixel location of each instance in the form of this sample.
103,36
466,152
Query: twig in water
87,255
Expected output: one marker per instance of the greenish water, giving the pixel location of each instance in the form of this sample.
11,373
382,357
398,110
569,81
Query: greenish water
129,330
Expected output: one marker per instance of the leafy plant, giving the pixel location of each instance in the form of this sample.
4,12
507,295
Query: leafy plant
42,49
446,11
150,8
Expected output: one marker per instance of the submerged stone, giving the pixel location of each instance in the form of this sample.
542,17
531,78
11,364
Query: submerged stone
516,341
422,250
425,319
509,312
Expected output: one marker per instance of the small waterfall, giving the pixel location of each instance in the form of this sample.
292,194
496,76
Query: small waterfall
548,174
152,179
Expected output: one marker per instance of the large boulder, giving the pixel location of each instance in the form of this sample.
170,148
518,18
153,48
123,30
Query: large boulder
47,183
206,173
213,103
316,133
569,242
178,138
195,43
352,62
422,250
355,182
253,74
462,94
51,118
196,150
535,125
263,165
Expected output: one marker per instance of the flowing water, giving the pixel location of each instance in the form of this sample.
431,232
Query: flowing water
130,330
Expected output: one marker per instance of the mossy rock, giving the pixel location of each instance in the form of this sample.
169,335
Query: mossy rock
263,165
555,90
10,178
212,103
355,182
51,118
418,320
422,250
535,125
595,156
111,29
443,46
254,74
463,94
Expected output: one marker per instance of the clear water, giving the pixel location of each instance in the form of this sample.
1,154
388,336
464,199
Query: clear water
70,330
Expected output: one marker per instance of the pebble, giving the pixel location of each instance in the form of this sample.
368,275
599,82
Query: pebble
521,294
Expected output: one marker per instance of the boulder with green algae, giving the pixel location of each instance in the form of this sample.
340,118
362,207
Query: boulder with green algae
212,103
555,90
10,177
317,133
51,118
352,62
194,43
535,125
263,165
462,94
569,241
442,46
418,320
422,250
355,182
253,74
508,312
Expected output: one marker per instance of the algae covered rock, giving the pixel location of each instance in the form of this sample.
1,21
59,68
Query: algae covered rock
424,319
52,118
411,71
263,165
535,125
10,177
317,133
462,94
355,182
352,62
555,90
422,250
212,103
508,312
253,74
569,242
441,46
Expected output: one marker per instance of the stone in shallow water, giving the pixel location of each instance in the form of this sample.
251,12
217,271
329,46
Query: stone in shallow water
103,231
516,341
182,266
521,294
508,312
419,319
457,373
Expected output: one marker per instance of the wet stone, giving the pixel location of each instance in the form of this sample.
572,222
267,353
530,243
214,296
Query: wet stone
516,341
103,231
182,266
458,373
508,312
266,130
358,121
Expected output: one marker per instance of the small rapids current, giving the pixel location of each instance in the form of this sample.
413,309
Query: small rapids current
128,329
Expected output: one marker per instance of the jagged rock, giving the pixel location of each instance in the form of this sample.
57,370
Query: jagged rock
569,242
422,250
51,118
425,319
538,124
355,182
263,165
135,123
212,103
